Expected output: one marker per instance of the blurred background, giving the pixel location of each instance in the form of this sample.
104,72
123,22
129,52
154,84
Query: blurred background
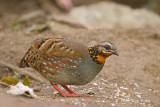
130,80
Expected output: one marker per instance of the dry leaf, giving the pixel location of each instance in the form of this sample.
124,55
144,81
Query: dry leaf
26,82
9,80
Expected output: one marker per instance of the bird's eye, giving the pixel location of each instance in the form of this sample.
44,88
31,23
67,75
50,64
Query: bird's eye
107,47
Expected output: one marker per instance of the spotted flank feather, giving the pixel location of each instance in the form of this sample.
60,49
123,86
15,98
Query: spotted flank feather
52,56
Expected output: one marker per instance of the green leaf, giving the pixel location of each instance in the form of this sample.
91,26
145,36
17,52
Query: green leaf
16,24
16,75
9,80
26,82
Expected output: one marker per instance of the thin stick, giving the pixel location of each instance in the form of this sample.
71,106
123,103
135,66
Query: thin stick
4,84
21,71
32,15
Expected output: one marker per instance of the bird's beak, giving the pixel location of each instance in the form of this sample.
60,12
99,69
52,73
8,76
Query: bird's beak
115,52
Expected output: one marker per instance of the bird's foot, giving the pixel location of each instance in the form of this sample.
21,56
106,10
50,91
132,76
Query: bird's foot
72,94
75,95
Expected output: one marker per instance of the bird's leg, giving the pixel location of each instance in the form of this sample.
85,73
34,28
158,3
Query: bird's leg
72,94
58,89
68,89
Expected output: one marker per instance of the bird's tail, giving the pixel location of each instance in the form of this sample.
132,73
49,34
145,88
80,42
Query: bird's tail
24,62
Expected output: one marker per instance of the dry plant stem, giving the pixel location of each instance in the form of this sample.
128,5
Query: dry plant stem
4,84
32,15
21,71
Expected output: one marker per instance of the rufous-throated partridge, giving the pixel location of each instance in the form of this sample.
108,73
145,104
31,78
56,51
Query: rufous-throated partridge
67,62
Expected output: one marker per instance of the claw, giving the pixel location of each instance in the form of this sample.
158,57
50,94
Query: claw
72,94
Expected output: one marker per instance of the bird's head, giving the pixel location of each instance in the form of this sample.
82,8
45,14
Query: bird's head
107,48
102,50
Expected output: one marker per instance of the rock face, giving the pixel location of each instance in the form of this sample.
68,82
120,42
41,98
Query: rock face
110,15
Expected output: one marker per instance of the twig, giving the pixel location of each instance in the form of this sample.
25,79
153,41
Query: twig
21,71
32,15
5,84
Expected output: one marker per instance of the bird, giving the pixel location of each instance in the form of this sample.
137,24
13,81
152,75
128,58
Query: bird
67,62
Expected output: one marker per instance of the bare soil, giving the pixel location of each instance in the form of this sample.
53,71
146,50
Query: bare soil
131,80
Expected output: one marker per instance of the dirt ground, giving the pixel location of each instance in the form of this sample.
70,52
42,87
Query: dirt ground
131,80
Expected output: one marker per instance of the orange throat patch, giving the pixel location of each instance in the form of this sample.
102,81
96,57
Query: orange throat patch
98,57
101,58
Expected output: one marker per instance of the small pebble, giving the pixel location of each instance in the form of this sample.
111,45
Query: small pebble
113,105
